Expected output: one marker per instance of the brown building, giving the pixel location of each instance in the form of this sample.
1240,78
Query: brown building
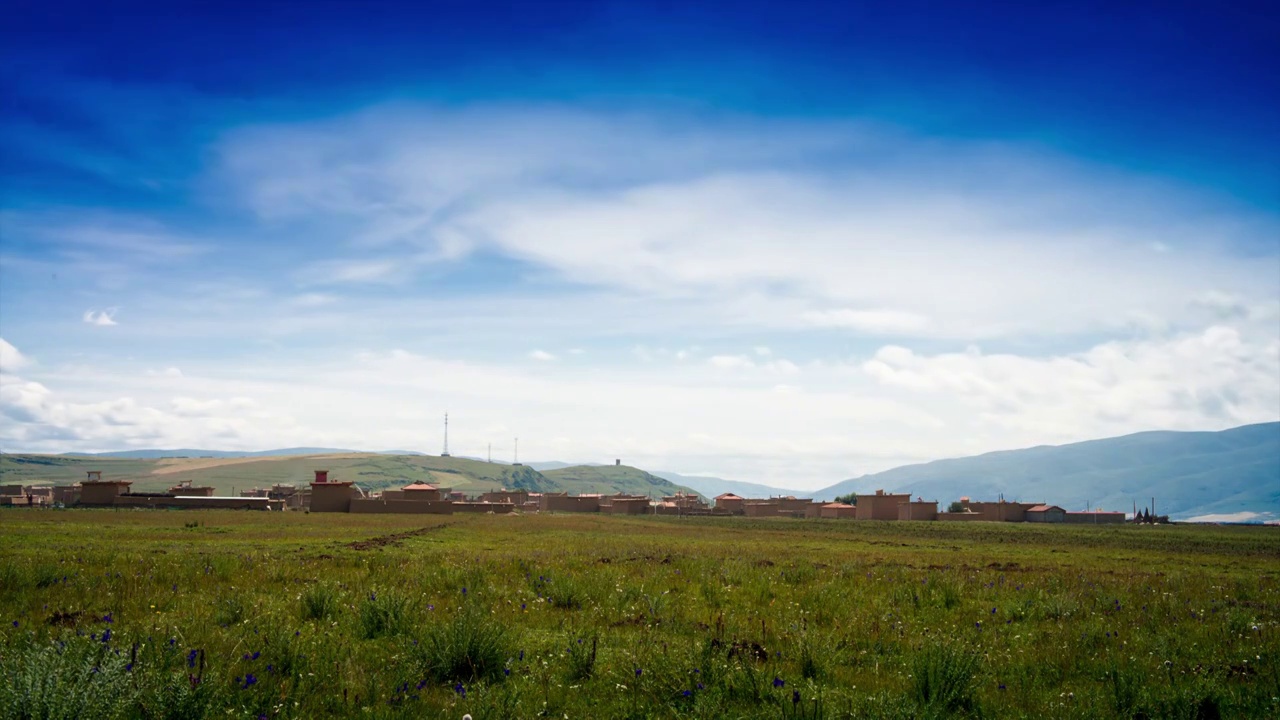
1001,511
422,491
880,506
838,511
732,503
186,489
330,495
564,502
918,510
1046,514
628,505
516,497
762,508
1094,517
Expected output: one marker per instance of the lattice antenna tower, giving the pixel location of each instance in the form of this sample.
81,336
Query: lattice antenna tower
445,453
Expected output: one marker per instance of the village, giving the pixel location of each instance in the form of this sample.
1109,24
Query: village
325,494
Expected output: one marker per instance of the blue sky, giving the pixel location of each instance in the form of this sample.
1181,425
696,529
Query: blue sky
789,243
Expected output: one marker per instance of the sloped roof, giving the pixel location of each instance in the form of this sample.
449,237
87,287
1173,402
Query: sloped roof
1043,508
420,486
838,505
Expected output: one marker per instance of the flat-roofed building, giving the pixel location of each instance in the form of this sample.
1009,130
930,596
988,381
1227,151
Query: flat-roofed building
918,510
880,505
731,502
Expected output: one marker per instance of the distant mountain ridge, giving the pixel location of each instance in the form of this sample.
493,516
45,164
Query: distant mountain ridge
1189,474
192,453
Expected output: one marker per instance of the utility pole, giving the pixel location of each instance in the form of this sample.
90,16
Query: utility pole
446,436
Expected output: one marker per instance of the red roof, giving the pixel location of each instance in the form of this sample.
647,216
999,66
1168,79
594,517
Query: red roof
727,496
1043,508
420,486
837,505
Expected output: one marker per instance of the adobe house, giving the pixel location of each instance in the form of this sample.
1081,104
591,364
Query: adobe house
761,508
1001,511
421,491
628,505
96,491
1094,517
918,510
516,497
731,502
330,495
564,502
186,489
880,506
68,495
792,506
838,511
1046,514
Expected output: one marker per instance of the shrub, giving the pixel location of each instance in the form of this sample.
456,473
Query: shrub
470,646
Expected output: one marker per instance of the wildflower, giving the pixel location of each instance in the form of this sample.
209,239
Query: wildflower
1002,686
795,697
462,691
249,681
191,658
107,618
15,623
128,668
106,635
255,655
993,611
701,686
522,655
270,668
506,671
522,606
431,607
464,591
688,693
779,682
421,684
638,671
172,641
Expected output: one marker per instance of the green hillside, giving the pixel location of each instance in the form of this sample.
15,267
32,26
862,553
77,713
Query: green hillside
611,479
1189,473
371,471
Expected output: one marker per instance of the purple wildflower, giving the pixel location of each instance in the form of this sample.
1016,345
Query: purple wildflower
191,658
249,681
795,697
688,693
701,686
638,672
106,635
779,682
462,691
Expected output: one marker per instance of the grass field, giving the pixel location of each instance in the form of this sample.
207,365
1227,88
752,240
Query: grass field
292,615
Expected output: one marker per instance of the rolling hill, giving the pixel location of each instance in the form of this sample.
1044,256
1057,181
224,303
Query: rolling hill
712,486
613,478
370,471
1189,474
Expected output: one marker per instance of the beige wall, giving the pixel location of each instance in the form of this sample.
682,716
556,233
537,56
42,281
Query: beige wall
401,507
918,511
735,505
836,513
629,506
568,503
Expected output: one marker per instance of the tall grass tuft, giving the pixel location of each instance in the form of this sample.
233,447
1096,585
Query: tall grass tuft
78,678
943,678
582,659
383,613
470,646
319,602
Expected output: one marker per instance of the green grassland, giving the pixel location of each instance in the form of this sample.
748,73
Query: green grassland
172,614
371,471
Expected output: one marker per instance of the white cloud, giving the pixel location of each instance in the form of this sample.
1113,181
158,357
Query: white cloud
1238,517
832,224
877,322
10,358
763,351
168,373
101,318
541,356
730,362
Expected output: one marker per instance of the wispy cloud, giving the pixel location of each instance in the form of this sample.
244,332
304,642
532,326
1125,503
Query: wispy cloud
101,318
541,356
